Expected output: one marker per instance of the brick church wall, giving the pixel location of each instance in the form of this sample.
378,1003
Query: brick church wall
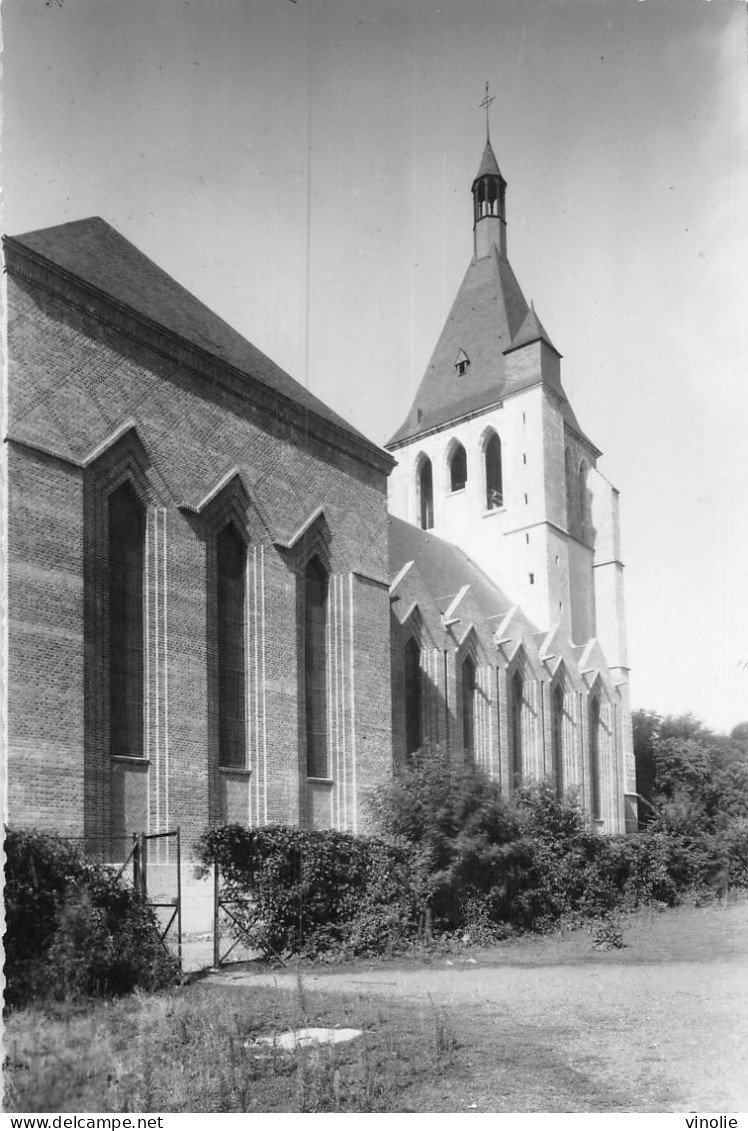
45,642
74,380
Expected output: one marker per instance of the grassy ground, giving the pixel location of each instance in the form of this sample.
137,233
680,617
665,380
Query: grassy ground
436,1037
190,1051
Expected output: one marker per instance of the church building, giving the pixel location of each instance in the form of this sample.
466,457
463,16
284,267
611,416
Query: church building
219,610
198,596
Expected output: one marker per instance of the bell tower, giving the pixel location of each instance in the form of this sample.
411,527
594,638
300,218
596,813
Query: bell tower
489,198
489,206
493,467
491,456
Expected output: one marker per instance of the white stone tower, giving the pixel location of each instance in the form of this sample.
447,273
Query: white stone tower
492,457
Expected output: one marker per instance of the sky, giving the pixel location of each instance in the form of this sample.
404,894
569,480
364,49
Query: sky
305,169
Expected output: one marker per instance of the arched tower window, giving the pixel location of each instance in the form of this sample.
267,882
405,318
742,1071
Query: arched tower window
594,728
426,494
494,477
558,740
126,640
458,468
517,704
315,667
468,709
231,570
582,499
569,476
412,696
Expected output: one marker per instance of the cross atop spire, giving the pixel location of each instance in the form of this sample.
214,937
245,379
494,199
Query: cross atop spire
485,104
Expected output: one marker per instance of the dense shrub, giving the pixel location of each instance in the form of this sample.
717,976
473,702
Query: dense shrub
695,784
39,870
460,835
301,892
73,928
456,858
528,863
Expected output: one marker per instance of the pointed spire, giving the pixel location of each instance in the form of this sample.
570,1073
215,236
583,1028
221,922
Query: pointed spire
489,166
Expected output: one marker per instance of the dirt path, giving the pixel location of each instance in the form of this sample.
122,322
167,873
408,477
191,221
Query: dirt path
665,1018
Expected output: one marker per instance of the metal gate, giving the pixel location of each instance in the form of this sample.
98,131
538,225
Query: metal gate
155,865
234,923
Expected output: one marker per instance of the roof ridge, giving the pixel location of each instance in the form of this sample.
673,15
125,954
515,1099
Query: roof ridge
93,256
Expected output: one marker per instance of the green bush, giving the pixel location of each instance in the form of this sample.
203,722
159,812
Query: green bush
528,863
39,869
311,893
460,836
456,858
72,928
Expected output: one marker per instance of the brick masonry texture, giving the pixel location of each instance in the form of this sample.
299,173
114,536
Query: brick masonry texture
90,406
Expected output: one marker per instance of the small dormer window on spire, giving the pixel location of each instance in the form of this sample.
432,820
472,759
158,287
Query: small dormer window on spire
462,361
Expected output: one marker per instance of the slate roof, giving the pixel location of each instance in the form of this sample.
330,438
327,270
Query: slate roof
93,252
489,318
531,330
445,568
489,165
486,314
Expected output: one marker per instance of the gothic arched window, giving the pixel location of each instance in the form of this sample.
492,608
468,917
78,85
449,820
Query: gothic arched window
231,572
494,477
426,494
412,696
126,638
315,667
517,698
594,727
558,740
458,468
468,709
582,499
569,476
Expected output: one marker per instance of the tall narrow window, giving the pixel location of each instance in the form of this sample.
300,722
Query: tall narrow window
594,721
315,668
517,697
494,478
582,499
468,709
458,469
426,494
569,476
412,697
558,740
126,558
231,561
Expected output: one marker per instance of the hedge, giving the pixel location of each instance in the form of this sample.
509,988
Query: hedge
73,928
